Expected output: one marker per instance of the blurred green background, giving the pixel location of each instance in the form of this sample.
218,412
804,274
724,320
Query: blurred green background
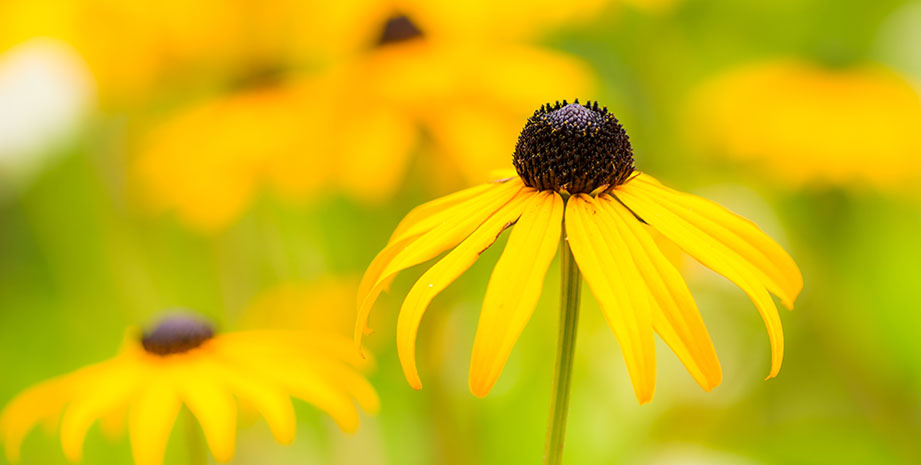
83,257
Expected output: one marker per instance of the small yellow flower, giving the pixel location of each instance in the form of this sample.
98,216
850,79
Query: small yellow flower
805,124
354,121
575,167
181,362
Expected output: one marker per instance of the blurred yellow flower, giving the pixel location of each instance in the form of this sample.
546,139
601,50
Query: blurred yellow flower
300,305
575,167
852,127
183,362
135,46
448,78
208,162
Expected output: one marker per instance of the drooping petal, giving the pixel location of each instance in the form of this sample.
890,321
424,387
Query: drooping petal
381,260
418,221
437,240
715,256
610,273
773,266
150,421
349,381
427,216
675,316
443,273
104,393
299,380
33,405
213,406
271,402
514,288
314,389
113,423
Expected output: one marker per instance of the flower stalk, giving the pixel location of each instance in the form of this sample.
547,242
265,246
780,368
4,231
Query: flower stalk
570,292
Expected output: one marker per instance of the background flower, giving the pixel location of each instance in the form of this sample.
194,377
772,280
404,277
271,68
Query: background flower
808,125
81,254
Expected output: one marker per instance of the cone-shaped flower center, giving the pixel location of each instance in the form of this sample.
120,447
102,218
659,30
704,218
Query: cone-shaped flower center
175,335
573,148
398,28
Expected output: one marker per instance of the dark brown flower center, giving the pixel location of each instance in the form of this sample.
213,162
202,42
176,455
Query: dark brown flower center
574,148
175,335
398,28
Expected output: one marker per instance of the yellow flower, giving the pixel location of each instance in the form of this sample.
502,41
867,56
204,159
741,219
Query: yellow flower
575,168
135,47
851,127
208,162
183,362
385,73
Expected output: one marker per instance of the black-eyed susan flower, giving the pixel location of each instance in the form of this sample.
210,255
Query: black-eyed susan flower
183,362
400,62
814,126
575,177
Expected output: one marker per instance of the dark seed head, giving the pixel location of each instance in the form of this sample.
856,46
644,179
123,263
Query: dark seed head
398,28
573,148
176,334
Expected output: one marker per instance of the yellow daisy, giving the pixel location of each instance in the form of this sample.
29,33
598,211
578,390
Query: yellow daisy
575,174
182,361
814,125
401,62
135,47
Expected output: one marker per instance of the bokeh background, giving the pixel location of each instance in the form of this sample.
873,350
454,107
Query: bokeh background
246,159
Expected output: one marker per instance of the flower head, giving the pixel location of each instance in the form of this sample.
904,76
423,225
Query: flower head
404,64
609,214
808,125
573,148
182,361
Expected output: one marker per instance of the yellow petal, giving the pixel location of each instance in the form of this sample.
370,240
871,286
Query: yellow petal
298,379
113,423
274,405
768,260
37,403
425,217
212,405
715,256
443,273
150,421
314,389
448,234
381,260
675,316
610,273
105,393
514,288
349,381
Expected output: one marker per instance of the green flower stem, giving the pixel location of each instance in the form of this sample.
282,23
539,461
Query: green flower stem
571,289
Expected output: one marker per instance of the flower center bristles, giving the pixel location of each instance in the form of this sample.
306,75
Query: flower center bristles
573,148
398,28
175,335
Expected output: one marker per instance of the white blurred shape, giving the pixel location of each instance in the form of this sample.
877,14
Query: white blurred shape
900,40
46,90
697,455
